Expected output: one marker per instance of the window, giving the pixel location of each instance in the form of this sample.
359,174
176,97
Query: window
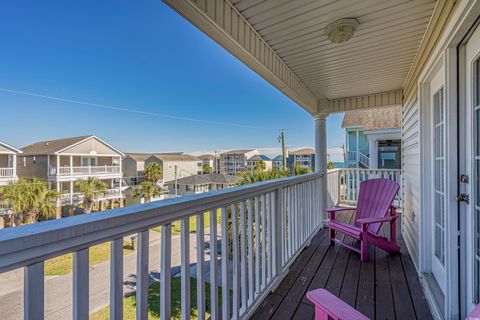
89,161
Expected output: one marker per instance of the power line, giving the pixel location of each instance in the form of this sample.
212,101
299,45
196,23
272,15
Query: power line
129,109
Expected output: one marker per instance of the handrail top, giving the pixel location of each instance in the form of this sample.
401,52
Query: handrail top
29,243
363,169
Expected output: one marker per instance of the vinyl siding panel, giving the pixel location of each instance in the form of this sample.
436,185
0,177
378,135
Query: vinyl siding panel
32,167
411,179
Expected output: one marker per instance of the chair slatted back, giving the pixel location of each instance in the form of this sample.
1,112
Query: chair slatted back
374,199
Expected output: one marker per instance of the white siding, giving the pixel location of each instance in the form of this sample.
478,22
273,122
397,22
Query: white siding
411,179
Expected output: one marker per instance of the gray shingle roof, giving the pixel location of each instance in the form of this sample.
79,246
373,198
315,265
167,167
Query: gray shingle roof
259,157
303,151
240,151
374,119
51,146
208,178
138,156
175,157
206,157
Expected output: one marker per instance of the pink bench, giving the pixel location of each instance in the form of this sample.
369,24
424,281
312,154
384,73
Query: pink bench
328,306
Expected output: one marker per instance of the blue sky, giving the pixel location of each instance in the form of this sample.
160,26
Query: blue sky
141,56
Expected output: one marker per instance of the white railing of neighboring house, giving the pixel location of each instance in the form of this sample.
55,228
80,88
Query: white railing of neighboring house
270,224
344,184
351,155
84,170
77,196
363,159
6,172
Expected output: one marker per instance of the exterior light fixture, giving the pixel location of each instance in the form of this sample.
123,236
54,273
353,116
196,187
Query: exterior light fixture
341,30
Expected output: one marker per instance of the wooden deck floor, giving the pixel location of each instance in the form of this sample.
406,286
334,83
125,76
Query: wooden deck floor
385,287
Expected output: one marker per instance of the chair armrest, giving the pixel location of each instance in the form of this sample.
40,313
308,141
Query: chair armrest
367,221
328,305
332,211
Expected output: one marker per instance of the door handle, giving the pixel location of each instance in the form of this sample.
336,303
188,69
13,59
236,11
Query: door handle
463,197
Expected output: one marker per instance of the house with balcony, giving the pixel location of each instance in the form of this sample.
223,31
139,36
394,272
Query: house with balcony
304,158
133,167
211,161
236,161
328,57
8,160
257,158
201,183
373,138
62,162
176,165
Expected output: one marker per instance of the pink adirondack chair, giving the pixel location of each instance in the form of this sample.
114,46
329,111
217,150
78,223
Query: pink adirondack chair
328,306
475,314
374,201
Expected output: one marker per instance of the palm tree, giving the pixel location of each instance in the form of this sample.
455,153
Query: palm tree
330,165
91,188
298,170
30,200
153,172
260,166
206,169
248,177
146,190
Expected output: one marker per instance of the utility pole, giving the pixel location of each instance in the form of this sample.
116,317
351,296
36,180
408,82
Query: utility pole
284,151
176,186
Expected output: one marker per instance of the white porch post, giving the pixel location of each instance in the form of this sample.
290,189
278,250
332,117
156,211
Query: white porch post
321,158
71,190
373,153
71,164
58,165
14,163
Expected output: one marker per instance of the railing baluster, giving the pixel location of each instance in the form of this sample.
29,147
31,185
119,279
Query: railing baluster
225,267
268,243
213,265
243,256
33,291
236,273
250,255
257,247
264,242
185,267
200,266
142,275
166,272
116,279
80,284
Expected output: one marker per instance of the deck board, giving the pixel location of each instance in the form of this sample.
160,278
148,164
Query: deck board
385,287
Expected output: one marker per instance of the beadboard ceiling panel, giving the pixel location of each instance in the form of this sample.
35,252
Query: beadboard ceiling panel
376,59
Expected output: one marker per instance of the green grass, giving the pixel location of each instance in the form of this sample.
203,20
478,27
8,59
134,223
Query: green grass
97,254
193,223
129,302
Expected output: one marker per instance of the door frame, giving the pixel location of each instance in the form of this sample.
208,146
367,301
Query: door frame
446,52
465,166
444,301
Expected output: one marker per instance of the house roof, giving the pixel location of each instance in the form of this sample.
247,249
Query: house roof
239,151
206,157
139,156
175,157
6,145
303,151
278,158
374,119
259,157
52,146
208,178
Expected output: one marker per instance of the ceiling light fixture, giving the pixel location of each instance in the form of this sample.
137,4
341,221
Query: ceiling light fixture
341,30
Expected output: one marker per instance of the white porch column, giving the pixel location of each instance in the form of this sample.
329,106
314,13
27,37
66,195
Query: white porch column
373,153
71,164
71,190
321,158
14,163
58,165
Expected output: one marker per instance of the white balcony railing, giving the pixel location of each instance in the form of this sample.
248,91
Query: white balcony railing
78,197
84,170
270,223
6,172
344,184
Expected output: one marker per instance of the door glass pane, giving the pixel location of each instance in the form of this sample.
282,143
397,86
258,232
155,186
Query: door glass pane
439,170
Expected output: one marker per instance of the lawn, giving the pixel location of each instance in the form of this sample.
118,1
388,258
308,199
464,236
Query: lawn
129,302
193,223
100,253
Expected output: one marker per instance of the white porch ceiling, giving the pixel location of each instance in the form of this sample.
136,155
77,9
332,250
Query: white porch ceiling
376,59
